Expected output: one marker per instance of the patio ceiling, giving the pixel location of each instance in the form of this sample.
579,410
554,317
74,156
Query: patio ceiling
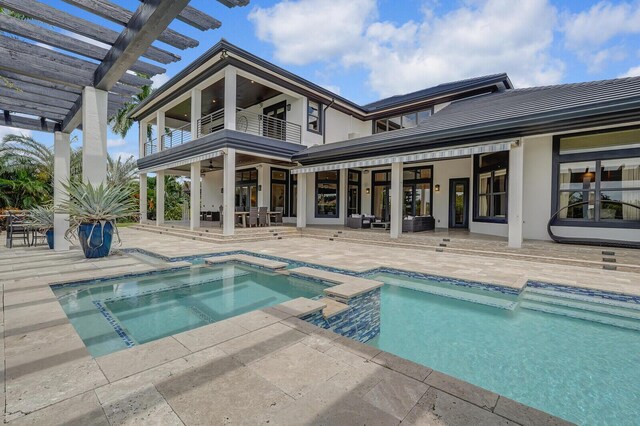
43,68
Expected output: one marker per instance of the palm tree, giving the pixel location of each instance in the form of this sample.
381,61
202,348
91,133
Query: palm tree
121,172
120,121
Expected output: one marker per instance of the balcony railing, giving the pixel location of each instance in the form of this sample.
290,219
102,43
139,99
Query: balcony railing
150,147
211,123
270,127
176,136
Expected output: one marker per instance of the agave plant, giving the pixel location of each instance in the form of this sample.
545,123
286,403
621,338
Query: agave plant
97,206
42,217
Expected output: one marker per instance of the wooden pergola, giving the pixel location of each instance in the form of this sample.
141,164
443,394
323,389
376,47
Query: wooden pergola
52,80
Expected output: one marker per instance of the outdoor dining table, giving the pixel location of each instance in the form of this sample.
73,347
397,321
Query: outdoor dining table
243,217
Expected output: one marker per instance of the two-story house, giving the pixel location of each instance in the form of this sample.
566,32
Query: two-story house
475,154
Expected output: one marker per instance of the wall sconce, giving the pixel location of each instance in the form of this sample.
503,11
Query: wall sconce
437,187
259,187
288,107
367,191
222,190
224,54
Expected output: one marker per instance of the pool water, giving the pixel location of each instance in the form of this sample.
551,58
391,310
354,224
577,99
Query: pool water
116,314
582,371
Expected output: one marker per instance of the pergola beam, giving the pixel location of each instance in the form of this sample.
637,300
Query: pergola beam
32,109
60,19
36,98
198,19
115,13
148,21
15,80
55,39
37,124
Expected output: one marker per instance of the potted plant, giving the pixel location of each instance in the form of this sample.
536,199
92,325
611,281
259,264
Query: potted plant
93,212
42,218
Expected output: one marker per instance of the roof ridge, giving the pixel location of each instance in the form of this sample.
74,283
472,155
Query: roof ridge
576,84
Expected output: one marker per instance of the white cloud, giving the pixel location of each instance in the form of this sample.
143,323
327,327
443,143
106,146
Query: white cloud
4,131
159,80
587,33
124,155
632,72
116,142
480,37
332,88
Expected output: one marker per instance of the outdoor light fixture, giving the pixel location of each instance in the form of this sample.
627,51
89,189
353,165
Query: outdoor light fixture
222,190
367,191
437,188
288,107
224,54
259,187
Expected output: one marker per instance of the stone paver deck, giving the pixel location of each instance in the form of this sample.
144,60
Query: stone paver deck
264,367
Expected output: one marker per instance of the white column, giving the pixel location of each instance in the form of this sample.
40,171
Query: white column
142,138
160,126
143,197
344,197
264,183
195,196
230,98
94,135
160,198
229,189
396,200
196,111
516,189
301,213
61,173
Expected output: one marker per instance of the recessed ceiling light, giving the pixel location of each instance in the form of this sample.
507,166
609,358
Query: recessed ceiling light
214,101
252,81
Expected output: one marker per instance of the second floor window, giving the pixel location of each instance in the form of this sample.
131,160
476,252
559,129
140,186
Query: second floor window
404,121
314,117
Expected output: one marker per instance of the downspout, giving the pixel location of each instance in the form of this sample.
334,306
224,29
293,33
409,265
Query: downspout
324,121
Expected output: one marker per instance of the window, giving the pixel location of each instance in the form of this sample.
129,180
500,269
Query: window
279,190
597,179
314,118
417,194
353,192
246,189
491,177
327,193
405,121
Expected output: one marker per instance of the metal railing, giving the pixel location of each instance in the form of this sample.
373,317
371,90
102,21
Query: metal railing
176,136
270,127
151,147
211,123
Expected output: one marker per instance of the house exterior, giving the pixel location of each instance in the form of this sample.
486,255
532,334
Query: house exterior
476,154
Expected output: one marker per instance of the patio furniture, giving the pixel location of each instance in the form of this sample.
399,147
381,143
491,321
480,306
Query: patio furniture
263,216
16,228
253,216
418,224
360,221
276,216
383,225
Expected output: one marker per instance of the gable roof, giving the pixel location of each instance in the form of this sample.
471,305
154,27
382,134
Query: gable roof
511,113
494,81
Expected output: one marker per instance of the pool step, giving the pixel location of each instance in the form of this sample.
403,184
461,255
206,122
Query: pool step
589,311
560,295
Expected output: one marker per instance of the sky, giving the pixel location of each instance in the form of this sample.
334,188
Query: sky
366,50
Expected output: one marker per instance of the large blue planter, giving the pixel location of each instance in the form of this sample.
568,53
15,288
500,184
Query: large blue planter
100,242
49,235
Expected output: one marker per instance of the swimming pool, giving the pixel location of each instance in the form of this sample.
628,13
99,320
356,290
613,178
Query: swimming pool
583,371
111,315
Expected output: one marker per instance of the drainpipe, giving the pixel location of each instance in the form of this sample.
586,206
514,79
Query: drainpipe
324,121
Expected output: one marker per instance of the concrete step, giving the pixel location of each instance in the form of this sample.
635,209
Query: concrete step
215,238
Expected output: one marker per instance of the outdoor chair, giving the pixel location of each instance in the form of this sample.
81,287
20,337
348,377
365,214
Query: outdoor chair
360,221
263,216
277,218
17,228
253,217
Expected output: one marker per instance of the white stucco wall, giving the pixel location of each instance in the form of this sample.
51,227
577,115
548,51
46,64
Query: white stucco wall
211,195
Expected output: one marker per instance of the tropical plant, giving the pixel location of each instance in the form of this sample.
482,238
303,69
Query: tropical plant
120,121
89,204
121,172
41,217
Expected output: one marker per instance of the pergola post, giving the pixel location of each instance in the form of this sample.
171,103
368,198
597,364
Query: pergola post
61,173
228,192
230,77
396,200
196,111
159,197
195,196
143,197
301,201
94,135
515,195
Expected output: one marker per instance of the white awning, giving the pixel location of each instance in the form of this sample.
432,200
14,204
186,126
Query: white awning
435,154
183,162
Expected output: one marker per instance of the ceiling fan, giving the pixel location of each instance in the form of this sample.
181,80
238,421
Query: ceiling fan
209,168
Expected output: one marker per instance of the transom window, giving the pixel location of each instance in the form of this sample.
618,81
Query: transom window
491,178
598,179
404,121
314,116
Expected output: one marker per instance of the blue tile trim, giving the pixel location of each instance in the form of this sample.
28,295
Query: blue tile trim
586,292
128,341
